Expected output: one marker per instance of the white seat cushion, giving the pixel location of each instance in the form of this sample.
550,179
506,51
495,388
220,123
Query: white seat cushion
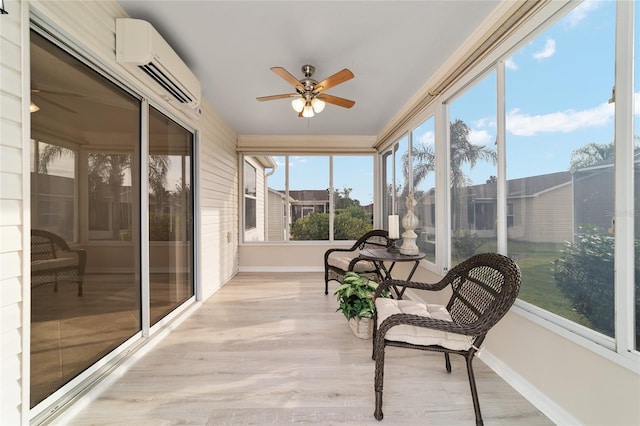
342,262
420,335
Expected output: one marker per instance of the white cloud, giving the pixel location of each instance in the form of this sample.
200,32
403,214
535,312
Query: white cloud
480,137
510,64
522,124
547,51
427,138
636,103
578,14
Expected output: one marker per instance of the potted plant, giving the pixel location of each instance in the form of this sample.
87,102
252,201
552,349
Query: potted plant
355,298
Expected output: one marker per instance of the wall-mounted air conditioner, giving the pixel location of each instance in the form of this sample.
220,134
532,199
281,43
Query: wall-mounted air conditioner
139,44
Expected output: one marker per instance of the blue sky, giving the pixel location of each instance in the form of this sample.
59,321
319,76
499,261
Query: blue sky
558,87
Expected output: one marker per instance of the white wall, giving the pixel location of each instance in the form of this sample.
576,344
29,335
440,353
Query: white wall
12,219
91,27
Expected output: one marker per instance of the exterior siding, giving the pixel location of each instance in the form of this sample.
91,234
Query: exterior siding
90,27
218,195
12,225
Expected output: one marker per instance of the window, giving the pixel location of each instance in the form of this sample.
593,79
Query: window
249,196
293,197
423,161
472,170
352,196
53,189
560,171
561,189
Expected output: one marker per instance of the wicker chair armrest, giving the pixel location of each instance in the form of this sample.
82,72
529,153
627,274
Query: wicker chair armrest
355,260
336,250
411,284
431,323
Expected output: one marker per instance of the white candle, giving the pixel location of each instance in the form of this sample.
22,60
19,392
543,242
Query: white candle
394,227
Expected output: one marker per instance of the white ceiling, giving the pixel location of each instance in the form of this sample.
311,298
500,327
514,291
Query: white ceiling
392,47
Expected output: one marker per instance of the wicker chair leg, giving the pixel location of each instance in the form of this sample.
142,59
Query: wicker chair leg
379,378
447,362
326,282
474,390
378,413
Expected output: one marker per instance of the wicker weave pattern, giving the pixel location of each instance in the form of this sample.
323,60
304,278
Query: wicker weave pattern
46,251
484,287
372,239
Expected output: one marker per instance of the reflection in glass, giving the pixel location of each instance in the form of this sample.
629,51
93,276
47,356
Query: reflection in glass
473,172
352,196
87,132
170,215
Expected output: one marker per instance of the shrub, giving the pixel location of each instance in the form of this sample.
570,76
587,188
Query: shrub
585,274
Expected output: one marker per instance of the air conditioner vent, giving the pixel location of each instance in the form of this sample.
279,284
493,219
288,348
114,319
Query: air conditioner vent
165,82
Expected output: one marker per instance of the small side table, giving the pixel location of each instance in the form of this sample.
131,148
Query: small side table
381,255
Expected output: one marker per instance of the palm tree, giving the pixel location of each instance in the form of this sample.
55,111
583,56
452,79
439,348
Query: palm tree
590,154
462,152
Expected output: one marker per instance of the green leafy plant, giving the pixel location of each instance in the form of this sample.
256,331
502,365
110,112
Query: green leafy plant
585,273
355,296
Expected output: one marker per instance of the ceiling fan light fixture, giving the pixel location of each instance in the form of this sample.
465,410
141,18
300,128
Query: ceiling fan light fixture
307,112
298,104
318,105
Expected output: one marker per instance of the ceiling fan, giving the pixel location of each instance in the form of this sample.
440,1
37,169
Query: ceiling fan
45,95
309,98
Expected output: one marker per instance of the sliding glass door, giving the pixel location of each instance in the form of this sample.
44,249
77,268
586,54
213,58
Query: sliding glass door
87,258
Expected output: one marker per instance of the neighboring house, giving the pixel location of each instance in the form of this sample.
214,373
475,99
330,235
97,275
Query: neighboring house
548,194
307,201
255,184
593,198
277,223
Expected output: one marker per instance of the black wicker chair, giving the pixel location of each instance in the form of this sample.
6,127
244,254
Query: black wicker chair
52,261
484,287
338,261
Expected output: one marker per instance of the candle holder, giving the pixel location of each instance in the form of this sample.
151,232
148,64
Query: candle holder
392,247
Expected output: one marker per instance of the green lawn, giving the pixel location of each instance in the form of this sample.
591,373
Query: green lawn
538,286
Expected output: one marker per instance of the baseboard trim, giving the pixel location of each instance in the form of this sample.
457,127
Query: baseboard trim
281,269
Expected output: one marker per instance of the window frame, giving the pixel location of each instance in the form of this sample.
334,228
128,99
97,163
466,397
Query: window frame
308,208
621,348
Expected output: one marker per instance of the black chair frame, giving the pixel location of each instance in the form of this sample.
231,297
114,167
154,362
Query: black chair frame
484,287
376,238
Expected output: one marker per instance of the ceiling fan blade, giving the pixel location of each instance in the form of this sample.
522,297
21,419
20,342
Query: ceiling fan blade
345,103
56,92
334,80
287,76
274,97
57,104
